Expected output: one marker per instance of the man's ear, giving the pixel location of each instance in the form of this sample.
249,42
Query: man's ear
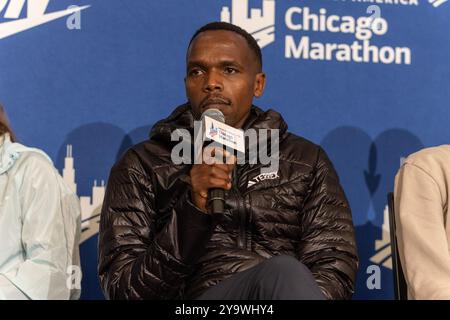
260,84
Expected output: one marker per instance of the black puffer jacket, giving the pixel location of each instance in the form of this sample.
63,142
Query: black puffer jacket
155,244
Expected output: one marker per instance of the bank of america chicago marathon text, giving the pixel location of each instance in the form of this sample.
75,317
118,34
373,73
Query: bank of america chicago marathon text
225,310
361,50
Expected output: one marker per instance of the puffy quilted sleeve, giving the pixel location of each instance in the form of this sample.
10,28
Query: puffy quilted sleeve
328,245
138,259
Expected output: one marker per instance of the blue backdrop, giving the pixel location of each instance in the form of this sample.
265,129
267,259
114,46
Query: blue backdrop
99,78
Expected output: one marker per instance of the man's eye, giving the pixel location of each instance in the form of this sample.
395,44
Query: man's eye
195,72
230,70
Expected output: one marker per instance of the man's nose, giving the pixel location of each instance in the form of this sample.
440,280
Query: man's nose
213,82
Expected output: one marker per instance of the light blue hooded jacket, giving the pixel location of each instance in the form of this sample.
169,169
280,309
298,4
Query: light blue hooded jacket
39,227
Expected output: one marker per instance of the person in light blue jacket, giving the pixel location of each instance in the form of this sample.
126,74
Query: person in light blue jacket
40,225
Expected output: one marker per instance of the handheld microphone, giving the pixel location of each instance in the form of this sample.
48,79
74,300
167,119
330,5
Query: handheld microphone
216,196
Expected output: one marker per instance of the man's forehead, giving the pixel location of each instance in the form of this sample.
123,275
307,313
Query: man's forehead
212,39
219,41
219,36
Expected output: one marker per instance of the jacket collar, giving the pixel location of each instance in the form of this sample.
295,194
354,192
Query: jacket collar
10,152
182,118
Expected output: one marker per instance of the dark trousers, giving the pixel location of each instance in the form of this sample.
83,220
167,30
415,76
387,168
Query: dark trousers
278,278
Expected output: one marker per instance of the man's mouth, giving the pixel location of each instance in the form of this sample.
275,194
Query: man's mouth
218,103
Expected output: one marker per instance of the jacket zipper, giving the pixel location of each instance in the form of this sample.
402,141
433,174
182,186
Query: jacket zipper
242,216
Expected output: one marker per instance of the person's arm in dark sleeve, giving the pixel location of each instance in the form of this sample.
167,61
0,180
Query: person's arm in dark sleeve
328,245
136,261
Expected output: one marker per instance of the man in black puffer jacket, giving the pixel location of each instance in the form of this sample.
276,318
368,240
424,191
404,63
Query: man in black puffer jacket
286,235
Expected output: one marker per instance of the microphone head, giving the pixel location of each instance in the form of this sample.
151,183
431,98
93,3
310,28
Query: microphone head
216,114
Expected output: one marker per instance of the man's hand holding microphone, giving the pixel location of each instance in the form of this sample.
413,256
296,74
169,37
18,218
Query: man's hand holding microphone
214,173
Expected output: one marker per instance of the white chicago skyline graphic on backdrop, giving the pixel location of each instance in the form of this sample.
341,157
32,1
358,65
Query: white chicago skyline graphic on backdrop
383,252
90,206
11,10
260,23
382,247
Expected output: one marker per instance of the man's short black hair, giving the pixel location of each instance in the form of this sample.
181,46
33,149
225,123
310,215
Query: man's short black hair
233,28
